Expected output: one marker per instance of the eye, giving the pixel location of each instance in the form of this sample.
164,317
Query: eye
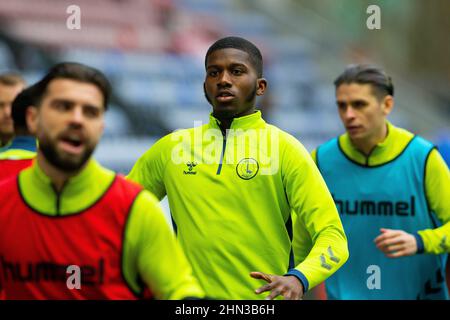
91,112
237,72
340,105
359,104
61,105
212,73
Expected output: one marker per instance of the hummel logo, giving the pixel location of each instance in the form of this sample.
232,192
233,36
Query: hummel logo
323,259
191,166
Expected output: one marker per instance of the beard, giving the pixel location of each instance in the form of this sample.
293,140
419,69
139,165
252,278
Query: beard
251,96
6,132
61,160
229,114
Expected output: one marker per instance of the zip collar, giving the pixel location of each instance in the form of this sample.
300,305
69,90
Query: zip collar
78,193
395,142
251,121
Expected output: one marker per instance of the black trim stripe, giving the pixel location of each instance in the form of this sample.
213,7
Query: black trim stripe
317,158
368,156
219,168
425,188
140,294
289,229
378,165
174,224
69,214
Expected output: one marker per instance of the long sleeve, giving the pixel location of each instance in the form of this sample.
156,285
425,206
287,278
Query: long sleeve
316,213
152,254
437,187
149,169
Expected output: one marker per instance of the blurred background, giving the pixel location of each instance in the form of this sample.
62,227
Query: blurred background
153,53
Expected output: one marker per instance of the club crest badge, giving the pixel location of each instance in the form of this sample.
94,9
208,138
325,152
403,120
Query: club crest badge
247,168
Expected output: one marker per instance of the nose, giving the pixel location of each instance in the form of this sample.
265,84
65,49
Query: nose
76,116
224,79
349,113
8,110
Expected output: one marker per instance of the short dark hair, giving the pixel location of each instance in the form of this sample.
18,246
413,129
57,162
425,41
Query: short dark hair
367,74
12,79
78,72
19,107
239,44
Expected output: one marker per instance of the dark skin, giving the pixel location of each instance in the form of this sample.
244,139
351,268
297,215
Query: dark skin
231,86
289,287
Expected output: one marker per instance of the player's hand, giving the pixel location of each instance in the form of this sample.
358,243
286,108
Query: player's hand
396,243
287,286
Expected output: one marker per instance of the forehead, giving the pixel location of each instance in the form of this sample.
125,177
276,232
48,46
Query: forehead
74,90
354,91
10,91
228,56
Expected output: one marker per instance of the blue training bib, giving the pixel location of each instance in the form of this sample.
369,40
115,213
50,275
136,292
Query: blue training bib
392,196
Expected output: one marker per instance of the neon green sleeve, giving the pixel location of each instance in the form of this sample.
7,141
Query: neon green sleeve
316,213
153,255
302,244
314,155
148,171
437,187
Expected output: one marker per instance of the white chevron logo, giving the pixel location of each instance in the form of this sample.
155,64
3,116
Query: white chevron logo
323,259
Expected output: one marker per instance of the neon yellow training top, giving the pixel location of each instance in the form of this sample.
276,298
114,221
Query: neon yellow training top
231,201
150,250
20,148
437,182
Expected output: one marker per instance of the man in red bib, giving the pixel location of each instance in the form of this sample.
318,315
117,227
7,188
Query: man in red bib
22,149
71,229
10,85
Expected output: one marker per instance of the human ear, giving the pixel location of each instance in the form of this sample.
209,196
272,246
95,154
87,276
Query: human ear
388,104
32,119
261,86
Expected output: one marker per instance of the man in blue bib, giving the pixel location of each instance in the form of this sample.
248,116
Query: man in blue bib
392,190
